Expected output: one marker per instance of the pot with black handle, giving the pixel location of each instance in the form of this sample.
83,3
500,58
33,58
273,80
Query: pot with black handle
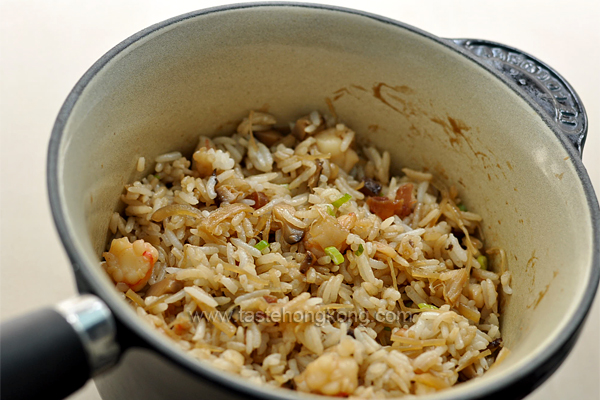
503,124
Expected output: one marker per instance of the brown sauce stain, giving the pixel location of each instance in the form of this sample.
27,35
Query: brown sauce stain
342,90
458,126
400,89
400,100
460,181
444,125
456,129
543,292
358,87
559,176
566,158
530,267
392,97
391,93
509,165
331,107
489,177
531,262
373,128
338,94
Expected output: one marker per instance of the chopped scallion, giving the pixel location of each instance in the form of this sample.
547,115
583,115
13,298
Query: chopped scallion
360,250
462,207
261,245
483,261
331,211
338,203
335,255
425,306
387,328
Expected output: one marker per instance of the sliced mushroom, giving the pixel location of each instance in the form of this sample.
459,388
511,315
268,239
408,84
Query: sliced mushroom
371,187
299,130
231,191
260,199
314,179
494,344
166,286
308,261
268,138
226,194
287,141
453,282
292,227
307,126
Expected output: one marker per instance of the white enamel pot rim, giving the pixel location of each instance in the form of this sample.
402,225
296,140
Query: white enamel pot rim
537,370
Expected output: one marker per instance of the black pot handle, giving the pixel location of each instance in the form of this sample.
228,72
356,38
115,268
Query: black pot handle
50,353
561,106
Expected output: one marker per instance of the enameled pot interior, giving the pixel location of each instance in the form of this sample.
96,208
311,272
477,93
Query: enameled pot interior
425,103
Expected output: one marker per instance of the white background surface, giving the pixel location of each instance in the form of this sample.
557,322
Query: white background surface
45,46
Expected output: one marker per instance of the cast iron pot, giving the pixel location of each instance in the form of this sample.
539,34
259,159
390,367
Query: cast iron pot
502,125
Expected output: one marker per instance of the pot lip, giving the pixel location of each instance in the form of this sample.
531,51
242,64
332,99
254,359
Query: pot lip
538,369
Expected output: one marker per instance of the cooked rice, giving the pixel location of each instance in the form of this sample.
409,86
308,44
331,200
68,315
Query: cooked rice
408,310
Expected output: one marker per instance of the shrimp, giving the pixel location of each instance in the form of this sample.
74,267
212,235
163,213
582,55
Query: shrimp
130,263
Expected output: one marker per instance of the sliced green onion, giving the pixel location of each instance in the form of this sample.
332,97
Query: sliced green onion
483,261
425,306
338,203
261,245
335,255
462,207
360,250
387,328
331,211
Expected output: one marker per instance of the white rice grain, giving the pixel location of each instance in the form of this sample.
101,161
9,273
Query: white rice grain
168,157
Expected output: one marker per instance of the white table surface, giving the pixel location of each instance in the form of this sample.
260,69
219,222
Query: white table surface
45,46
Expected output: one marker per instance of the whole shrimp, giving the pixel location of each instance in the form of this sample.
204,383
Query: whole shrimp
130,263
